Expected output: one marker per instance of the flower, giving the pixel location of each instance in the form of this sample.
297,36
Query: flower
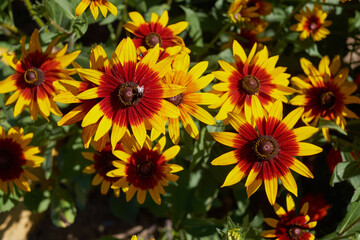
290,226
263,7
333,158
148,34
268,153
69,89
95,5
187,102
130,93
15,155
317,206
250,81
145,169
102,165
312,23
325,92
240,12
34,75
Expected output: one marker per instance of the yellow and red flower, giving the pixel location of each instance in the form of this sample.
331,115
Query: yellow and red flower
101,166
239,11
187,102
95,5
325,92
34,75
312,23
69,89
250,81
266,154
290,226
144,168
15,155
148,34
130,93
318,206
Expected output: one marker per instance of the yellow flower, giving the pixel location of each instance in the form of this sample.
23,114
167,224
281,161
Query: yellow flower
250,84
266,153
312,23
34,75
144,168
290,226
325,92
187,102
148,34
95,5
15,154
240,12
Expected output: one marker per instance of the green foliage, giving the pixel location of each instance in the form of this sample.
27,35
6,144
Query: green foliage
196,205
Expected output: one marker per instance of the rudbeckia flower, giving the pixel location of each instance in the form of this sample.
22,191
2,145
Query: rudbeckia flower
102,164
69,89
148,34
312,23
318,206
239,11
250,81
95,5
325,92
34,75
263,7
266,154
290,226
15,155
130,93
187,102
144,169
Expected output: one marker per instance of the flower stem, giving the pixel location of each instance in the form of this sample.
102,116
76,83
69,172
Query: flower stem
39,22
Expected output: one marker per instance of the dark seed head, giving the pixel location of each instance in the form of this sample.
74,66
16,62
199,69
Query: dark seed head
295,232
145,169
176,100
265,148
152,39
34,76
328,100
249,84
130,94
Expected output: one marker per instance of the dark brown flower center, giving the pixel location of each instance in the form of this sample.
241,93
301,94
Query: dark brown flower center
5,159
130,93
34,76
295,232
313,26
152,39
328,100
176,100
145,169
249,84
265,148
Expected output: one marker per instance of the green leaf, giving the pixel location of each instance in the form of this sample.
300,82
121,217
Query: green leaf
8,201
63,210
346,171
126,211
331,125
37,200
201,227
351,222
195,30
67,8
356,195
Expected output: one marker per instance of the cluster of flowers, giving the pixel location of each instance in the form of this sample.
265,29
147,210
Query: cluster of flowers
148,84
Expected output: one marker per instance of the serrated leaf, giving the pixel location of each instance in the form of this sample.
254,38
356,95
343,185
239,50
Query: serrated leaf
351,221
63,210
331,125
67,7
37,200
195,30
